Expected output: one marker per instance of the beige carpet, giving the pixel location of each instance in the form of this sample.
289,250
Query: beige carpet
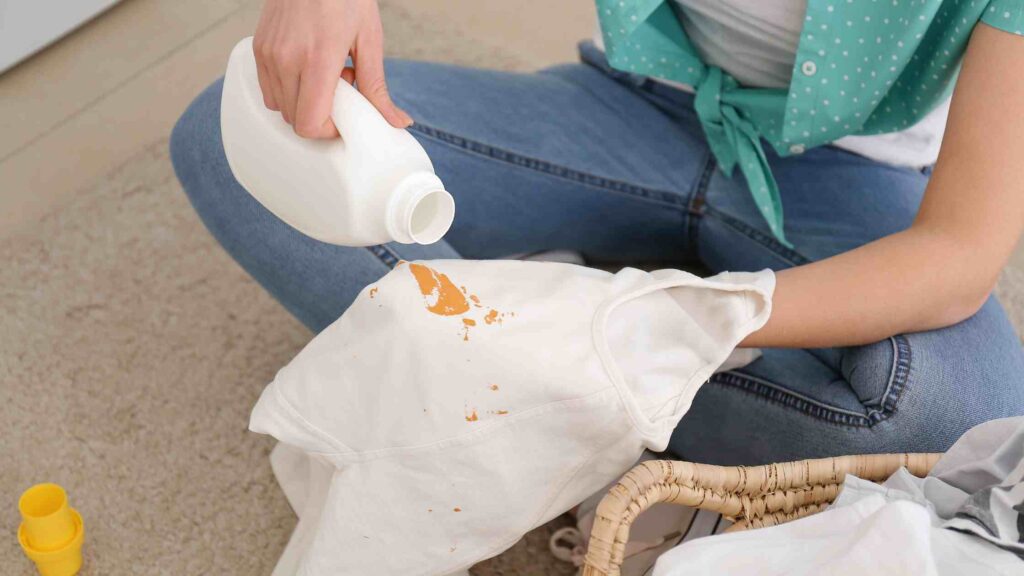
131,351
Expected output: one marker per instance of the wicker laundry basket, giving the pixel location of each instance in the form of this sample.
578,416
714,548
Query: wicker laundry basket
752,497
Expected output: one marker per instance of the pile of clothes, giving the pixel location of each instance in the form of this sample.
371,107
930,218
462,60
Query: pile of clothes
965,518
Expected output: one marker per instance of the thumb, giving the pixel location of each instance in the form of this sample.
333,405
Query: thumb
369,64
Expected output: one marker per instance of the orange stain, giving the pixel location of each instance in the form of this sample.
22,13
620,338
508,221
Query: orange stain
466,324
492,317
457,509
494,387
472,417
373,292
501,412
443,297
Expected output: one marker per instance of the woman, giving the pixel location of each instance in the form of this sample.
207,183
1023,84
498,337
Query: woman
884,336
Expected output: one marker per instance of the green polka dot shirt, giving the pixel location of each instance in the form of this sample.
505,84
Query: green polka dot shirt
862,67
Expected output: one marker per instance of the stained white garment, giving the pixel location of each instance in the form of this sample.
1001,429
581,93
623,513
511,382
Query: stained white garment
756,42
458,404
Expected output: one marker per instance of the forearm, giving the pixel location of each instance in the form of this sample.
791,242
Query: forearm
908,282
942,268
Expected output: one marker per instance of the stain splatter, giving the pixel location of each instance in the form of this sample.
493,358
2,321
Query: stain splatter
493,387
501,412
457,509
373,292
472,417
430,509
442,296
467,323
494,317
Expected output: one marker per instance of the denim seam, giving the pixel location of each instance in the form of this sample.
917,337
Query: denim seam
902,355
501,155
384,254
787,398
791,256
698,202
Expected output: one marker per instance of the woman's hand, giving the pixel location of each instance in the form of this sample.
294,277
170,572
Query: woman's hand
301,47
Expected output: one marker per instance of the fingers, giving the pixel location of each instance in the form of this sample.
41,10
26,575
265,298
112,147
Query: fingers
260,48
349,74
368,58
300,51
267,83
267,70
290,63
315,99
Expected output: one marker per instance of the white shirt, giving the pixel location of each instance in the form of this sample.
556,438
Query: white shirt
458,404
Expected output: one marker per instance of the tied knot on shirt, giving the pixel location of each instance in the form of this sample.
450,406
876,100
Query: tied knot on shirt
734,140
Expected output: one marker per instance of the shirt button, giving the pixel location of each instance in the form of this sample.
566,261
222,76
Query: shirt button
809,68
797,149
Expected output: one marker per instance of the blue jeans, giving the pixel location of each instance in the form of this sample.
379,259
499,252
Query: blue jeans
615,166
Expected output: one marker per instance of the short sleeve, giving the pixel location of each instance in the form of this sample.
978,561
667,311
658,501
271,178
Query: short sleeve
1006,15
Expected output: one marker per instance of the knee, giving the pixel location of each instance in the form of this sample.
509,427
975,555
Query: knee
195,140
956,378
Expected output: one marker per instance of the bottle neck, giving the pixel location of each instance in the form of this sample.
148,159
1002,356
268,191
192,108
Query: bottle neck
420,210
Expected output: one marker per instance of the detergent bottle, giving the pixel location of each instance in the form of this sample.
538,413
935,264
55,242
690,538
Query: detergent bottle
373,185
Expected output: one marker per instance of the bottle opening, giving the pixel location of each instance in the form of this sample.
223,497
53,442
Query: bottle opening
431,217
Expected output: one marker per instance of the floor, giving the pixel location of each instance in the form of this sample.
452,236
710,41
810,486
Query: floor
80,108
131,346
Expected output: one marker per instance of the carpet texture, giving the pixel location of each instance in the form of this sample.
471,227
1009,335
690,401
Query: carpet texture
131,351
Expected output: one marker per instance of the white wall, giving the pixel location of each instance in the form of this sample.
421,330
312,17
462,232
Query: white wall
29,25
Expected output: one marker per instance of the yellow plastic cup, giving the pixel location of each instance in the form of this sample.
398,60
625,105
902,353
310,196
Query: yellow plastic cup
51,532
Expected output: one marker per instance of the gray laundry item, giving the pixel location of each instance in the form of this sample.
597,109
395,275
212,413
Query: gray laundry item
976,488
963,519
987,466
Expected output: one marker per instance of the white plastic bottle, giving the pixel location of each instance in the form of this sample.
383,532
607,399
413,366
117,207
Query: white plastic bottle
373,185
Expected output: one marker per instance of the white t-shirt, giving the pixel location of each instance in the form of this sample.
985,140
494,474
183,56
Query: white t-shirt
755,41
458,404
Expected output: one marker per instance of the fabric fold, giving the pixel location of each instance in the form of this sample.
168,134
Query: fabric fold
458,404
733,137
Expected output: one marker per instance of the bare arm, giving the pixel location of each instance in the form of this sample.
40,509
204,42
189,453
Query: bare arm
941,269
